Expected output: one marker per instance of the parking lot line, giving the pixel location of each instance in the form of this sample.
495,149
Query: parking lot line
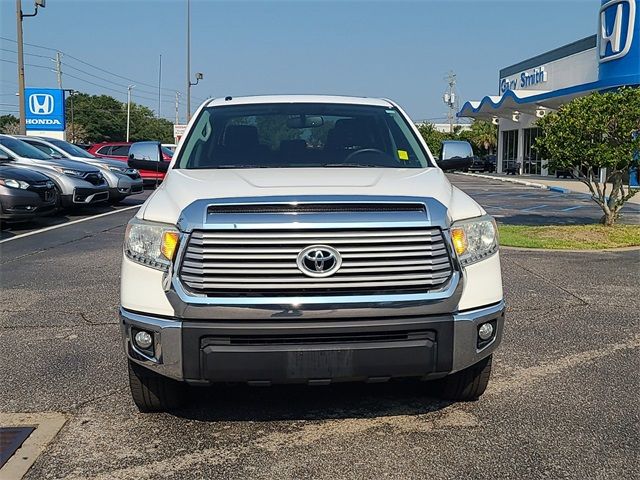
533,208
54,227
571,208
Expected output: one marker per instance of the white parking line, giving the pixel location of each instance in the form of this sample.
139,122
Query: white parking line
54,227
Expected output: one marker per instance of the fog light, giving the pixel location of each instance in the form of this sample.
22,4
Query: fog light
485,332
143,339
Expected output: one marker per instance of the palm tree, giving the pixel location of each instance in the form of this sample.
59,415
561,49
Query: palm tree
484,135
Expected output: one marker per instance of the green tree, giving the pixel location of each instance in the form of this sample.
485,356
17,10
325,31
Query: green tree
598,131
432,136
8,123
103,118
483,136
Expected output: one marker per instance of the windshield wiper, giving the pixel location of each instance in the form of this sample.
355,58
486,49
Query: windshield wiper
349,165
239,166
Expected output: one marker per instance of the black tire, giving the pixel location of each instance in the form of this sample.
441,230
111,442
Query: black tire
468,384
152,392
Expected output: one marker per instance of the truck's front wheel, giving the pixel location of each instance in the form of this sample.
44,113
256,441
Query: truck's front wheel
152,392
468,384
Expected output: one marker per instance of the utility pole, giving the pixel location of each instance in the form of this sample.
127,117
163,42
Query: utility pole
450,98
159,84
177,107
129,108
21,82
59,69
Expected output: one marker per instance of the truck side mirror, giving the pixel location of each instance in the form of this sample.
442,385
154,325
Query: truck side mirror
145,151
455,155
147,156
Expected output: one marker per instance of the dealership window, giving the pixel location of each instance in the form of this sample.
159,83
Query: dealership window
509,149
531,158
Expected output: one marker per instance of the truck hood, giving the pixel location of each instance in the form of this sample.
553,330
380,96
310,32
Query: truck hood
182,187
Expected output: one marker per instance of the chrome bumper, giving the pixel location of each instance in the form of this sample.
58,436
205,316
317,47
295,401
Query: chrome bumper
169,358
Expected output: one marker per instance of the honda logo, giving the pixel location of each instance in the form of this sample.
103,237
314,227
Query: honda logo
41,103
617,19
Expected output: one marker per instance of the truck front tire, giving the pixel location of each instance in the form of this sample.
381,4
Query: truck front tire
468,384
152,392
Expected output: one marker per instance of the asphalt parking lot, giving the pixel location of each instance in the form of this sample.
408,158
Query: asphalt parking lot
563,401
521,205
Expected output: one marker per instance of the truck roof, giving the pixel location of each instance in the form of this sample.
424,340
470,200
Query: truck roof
258,99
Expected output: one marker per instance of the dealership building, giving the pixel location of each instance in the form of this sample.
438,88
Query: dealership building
531,88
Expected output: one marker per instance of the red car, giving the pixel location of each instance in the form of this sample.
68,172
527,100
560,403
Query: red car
120,151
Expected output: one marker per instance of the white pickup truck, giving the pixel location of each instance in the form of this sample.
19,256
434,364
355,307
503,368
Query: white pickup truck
307,239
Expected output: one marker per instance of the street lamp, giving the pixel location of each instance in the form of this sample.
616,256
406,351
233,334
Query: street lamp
129,88
21,82
199,75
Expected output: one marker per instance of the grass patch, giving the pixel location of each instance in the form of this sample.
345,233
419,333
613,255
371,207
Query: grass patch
570,237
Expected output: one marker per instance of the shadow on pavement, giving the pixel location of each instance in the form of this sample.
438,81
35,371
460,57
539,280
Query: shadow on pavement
301,402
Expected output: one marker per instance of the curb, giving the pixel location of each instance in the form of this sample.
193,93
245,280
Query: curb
541,186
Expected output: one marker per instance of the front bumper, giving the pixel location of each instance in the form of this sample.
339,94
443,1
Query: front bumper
126,186
313,350
23,204
86,196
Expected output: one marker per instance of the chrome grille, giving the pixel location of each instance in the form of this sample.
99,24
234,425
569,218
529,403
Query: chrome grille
263,262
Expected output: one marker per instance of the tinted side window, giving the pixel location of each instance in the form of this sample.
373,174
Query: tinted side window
120,150
104,150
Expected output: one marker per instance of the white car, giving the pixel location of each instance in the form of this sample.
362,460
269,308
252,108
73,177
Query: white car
307,239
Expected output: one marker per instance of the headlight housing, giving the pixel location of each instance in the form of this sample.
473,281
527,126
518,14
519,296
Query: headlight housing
151,244
11,183
69,171
474,239
117,169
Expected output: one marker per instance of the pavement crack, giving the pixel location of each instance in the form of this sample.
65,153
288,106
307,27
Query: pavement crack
83,237
560,287
75,408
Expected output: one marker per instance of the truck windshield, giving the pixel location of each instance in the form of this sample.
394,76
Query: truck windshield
298,135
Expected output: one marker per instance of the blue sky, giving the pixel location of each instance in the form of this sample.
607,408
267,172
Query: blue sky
396,49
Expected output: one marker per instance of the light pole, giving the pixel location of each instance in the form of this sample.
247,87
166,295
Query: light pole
21,82
199,76
129,88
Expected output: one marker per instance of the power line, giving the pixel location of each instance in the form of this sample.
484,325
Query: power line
90,65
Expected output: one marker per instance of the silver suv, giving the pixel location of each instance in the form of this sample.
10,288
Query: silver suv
123,181
77,183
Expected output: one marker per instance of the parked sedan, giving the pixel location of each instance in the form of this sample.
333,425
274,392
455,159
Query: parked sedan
25,194
77,183
123,180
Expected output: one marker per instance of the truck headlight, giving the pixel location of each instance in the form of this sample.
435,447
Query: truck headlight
151,244
474,239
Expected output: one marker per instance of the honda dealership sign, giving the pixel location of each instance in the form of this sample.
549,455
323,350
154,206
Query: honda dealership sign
617,18
45,109
619,42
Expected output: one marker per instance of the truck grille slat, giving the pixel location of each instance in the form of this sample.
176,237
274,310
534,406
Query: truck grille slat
388,260
312,240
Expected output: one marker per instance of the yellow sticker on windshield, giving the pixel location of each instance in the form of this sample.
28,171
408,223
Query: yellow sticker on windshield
403,155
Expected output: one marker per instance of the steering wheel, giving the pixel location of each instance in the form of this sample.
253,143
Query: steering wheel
364,150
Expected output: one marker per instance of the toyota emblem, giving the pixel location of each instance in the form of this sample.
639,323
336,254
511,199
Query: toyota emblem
319,261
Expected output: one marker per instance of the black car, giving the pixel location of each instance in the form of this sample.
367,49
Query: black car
484,164
25,194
